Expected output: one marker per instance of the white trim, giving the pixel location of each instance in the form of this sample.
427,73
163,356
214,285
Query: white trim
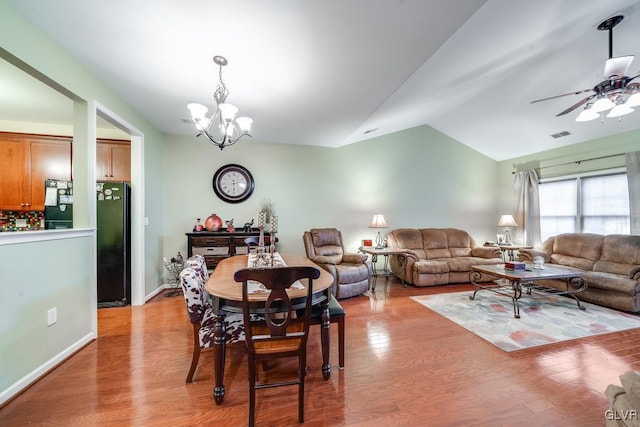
137,203
155,292
43,369
16,237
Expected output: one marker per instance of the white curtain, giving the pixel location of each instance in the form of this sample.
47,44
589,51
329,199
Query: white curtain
527,211
633,177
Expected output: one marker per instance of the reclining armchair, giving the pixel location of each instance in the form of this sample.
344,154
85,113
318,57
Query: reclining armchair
351,272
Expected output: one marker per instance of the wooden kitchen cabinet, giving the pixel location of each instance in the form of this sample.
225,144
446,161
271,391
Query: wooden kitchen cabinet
113,160
25,162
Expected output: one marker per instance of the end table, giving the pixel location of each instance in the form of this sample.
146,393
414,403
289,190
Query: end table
385,252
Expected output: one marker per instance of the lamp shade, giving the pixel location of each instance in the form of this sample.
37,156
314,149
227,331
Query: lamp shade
507,221
378,221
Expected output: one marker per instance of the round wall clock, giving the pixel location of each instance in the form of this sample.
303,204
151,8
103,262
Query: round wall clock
233,183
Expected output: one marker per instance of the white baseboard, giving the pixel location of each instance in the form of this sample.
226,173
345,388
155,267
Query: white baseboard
37,373
160,289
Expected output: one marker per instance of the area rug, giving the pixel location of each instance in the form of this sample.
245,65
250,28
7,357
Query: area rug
543,319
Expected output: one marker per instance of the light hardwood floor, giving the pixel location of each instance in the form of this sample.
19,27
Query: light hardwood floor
405,365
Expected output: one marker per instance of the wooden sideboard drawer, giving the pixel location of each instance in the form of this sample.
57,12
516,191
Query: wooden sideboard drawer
211,250
210,241
218,245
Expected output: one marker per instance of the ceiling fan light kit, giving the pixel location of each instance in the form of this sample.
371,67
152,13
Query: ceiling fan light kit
223,128
615,92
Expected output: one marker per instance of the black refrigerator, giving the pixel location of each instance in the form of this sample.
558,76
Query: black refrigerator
114,243
58,204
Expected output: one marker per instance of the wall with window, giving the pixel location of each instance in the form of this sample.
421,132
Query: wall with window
588,193
595,202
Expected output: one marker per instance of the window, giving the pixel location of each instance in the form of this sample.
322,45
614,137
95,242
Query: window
586,204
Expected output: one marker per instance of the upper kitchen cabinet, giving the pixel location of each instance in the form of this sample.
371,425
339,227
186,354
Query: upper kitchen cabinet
113,160
26,161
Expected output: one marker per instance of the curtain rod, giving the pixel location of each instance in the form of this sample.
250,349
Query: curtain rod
577,162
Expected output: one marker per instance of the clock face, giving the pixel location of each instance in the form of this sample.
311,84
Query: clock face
233,183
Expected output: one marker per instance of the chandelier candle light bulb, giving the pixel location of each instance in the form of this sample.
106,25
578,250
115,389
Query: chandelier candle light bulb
228,130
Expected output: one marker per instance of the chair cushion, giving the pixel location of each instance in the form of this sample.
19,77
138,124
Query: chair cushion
325,237
335,309
234,330
199,265
193,291
352,273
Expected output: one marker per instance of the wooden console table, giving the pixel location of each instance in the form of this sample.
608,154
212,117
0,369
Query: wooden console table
218,245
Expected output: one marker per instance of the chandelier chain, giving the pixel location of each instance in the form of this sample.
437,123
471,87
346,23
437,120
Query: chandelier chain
221,93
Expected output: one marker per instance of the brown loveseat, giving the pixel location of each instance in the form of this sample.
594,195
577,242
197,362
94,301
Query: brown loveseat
438,256
611,264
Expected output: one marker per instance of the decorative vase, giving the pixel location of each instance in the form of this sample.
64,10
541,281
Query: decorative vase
213,223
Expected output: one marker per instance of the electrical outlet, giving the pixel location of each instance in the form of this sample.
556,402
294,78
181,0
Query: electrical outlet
52,316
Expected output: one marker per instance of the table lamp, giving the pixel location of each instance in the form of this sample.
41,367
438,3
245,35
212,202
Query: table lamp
507,222
378,222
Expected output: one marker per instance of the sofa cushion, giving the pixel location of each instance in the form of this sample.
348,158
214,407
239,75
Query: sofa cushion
459,242
611,282
579,250
631,383
620,254
408,238
431,266
435,243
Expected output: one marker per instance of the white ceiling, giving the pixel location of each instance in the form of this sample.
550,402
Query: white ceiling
324,72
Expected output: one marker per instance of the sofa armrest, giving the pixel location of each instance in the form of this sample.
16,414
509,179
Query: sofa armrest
354,258
527,255
635,273
410,254
486,252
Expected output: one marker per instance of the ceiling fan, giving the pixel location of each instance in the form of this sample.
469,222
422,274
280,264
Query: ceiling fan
615,92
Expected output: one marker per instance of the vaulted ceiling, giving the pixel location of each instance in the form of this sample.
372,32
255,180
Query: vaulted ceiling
334,72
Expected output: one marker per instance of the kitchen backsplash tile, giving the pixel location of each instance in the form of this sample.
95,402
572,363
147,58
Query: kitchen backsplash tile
14,220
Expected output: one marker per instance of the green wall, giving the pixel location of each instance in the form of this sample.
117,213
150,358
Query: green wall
572,159
34,278
62,272
418,178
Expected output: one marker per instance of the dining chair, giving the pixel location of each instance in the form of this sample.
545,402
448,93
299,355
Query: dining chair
199,264
281,333
336,315
201,316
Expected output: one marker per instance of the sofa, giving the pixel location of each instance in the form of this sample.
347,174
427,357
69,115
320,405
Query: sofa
625,401
438,256
611,266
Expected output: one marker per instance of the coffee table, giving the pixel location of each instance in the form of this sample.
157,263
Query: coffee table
517,280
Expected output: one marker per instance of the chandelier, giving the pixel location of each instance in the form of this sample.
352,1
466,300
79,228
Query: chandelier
223,128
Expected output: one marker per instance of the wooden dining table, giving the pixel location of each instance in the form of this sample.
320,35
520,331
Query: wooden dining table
226,296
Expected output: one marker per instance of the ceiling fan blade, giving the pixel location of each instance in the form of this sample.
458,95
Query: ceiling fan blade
617,66
576,105
578,92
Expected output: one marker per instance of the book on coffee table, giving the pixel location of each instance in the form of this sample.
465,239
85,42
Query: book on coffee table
514,265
